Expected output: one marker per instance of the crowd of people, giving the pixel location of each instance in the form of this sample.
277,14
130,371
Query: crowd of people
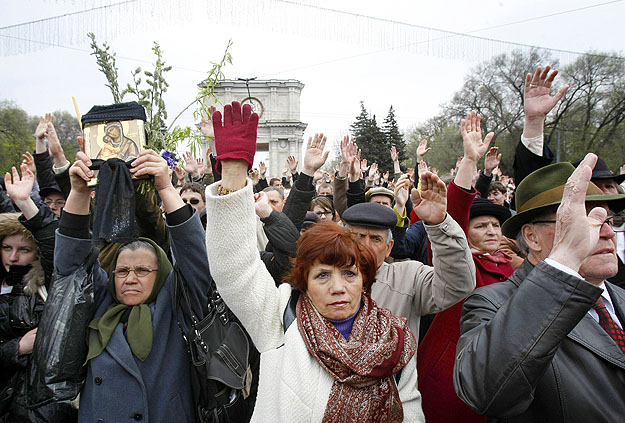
370,296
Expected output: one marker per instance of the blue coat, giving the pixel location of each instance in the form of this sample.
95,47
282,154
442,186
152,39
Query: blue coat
119,387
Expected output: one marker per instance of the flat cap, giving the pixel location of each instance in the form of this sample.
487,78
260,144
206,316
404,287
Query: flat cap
370,214
379,191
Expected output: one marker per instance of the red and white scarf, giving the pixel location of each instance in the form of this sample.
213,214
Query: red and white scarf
363,366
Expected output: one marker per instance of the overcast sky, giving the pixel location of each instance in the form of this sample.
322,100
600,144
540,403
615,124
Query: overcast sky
337,73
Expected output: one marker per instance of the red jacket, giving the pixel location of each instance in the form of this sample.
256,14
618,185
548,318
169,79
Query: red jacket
437,351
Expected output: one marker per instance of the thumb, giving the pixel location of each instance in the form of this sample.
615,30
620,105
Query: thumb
415,197
597,216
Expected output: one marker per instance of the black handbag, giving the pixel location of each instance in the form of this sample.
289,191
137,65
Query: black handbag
220,351
56,370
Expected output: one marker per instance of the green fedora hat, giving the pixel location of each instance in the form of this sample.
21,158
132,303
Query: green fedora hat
543,188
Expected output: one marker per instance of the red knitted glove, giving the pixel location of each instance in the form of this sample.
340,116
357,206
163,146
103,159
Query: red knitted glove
236,139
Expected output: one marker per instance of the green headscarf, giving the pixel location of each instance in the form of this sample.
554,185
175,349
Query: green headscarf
139,329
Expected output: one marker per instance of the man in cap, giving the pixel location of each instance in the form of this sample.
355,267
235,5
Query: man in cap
548,344
411,289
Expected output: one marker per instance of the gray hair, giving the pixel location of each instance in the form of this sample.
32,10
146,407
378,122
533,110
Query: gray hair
276,189
138,245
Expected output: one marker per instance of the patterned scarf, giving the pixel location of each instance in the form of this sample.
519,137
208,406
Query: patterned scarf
363,366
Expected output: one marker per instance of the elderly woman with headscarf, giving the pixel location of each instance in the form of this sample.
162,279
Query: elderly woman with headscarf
328,352
137,364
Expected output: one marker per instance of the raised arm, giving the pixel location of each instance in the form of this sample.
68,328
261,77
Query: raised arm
241,277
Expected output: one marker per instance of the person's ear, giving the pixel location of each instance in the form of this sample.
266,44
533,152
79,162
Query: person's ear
530,237
389,247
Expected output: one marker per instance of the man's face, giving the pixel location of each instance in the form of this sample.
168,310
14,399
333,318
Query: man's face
496,196
381,199
597,267
325,191
55,201
376,240
193,198
484,234
608,186
277,184
275,201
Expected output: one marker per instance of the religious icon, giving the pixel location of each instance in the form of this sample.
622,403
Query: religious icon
115,139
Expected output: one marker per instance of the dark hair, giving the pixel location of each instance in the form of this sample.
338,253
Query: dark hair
328,243
194,187
326,185
324,202
496,185
272,180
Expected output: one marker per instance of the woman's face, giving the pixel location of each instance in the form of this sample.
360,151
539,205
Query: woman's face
484,234
17,251
335,292
323,213
132,289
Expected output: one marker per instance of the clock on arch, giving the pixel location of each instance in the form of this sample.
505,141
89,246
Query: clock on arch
257,105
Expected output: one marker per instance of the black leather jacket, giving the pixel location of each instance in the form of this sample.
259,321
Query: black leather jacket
530,352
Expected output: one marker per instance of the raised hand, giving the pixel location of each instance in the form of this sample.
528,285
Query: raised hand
577,235
201,167
292,163
373,171
80,174
29,161
386,176
180,174
54,146
262,170
492,160
206,126
363,165
402,189
19,189
355,170
422,167
537,100
422,150
431,203
314,157
42,126
150,163
235,142
471,130
191,165
394,154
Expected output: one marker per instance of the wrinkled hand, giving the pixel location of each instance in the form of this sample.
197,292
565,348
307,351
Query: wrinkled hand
29,161
577,234
292,163
80,174
431,204
191,165
206,126
492,160
471,130
150,163
394,154
422,149
537,100
235,141
314,157
19,189
27,342
261,205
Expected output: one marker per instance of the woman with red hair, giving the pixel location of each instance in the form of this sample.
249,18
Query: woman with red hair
328,352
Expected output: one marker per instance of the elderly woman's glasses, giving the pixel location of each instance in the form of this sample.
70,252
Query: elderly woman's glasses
139,271
614,222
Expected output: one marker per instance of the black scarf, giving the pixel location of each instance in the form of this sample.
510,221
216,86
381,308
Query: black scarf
114,219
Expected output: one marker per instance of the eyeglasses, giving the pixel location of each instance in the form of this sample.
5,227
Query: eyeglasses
59,203
139,271
193,201
611,221
324,213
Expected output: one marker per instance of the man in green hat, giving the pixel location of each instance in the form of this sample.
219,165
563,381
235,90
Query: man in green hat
548,344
